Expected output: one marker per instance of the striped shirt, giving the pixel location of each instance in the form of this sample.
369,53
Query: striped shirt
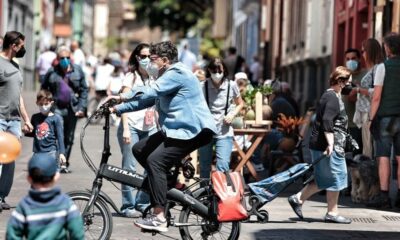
45,215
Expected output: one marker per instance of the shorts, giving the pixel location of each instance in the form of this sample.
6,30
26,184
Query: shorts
388,135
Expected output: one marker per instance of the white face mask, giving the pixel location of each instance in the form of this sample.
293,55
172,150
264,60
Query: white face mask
45,109
217,77
152,70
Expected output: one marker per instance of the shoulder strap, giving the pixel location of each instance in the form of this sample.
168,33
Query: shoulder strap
227,97
372,73
229,181
206,89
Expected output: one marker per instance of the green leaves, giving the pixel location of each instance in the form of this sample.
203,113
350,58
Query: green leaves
172,15
249,96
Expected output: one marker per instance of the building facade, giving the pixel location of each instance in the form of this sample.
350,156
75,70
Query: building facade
306,48
18,15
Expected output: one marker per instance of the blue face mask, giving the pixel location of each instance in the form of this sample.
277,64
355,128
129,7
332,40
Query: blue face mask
352,65
144,62
64,63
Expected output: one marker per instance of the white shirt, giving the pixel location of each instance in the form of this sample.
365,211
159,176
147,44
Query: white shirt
379,75
103,76
79,57
136,119
44,61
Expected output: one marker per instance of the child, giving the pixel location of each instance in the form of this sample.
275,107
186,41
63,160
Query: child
48,130
45,213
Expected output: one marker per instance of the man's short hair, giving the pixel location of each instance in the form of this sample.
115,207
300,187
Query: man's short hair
44,94
354,50
165,49
392,41
232,50
12,37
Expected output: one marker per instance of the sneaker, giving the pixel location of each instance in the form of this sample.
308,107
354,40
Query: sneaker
380,201
64,169
131,213
4,205
337,219
152,223
296,206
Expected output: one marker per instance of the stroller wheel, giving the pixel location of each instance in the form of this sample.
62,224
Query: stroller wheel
263,216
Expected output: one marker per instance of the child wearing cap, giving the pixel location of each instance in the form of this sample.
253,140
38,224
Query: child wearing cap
48,130
45,213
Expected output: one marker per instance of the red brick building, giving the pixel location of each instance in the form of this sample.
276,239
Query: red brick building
352,25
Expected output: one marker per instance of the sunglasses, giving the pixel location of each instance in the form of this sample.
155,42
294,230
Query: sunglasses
64,58
143,56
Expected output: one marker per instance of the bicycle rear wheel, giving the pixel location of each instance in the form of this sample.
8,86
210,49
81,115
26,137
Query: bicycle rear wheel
98,220
201,228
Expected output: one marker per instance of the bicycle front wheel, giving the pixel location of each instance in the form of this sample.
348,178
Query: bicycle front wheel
201,228
97,220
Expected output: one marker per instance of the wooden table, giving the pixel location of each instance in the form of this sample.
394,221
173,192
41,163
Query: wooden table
256,135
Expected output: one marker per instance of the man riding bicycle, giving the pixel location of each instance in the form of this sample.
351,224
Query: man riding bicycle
185,124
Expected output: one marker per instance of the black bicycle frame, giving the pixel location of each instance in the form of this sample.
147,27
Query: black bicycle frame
116,174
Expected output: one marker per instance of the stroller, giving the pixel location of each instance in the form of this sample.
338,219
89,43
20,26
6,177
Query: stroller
268,189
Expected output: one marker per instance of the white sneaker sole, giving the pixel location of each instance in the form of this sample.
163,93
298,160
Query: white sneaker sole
157,229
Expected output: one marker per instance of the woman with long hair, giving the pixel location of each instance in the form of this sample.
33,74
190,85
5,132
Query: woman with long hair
135,126
373,55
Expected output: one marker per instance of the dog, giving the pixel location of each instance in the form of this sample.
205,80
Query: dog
364,178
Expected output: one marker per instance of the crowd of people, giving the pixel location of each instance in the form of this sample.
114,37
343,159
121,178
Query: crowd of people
171,106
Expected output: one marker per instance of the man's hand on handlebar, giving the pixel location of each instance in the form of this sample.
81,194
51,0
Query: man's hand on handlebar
117,99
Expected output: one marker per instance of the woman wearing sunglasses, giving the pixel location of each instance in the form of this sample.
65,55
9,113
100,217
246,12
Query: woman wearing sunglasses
134,127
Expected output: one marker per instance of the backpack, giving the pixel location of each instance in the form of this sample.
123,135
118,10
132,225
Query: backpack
229,189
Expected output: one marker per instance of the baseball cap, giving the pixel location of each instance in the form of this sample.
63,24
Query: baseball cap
241,75
46,163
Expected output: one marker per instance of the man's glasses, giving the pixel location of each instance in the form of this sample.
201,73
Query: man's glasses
64,58
143,56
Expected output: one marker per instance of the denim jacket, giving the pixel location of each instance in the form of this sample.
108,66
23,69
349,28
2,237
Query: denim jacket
76,82
182,109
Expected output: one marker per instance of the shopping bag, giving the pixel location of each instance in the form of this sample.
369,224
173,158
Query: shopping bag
229,188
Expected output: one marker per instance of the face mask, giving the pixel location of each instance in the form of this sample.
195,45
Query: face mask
64,63
152,70
45,109
352,65
144,62
217,77
346,89
21,52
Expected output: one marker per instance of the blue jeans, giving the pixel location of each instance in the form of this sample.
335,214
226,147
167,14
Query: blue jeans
142,200
7,170
223,151
69,124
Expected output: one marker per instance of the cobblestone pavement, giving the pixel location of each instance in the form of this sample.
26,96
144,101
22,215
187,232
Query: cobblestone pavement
283,224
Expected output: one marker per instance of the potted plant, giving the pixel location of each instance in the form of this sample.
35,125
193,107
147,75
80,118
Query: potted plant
289,126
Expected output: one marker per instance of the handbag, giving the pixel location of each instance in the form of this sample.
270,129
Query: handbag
229,189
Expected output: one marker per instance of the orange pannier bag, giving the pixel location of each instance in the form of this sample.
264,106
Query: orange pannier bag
229,188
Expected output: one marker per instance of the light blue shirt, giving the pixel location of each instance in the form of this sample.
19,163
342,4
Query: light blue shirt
182,109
